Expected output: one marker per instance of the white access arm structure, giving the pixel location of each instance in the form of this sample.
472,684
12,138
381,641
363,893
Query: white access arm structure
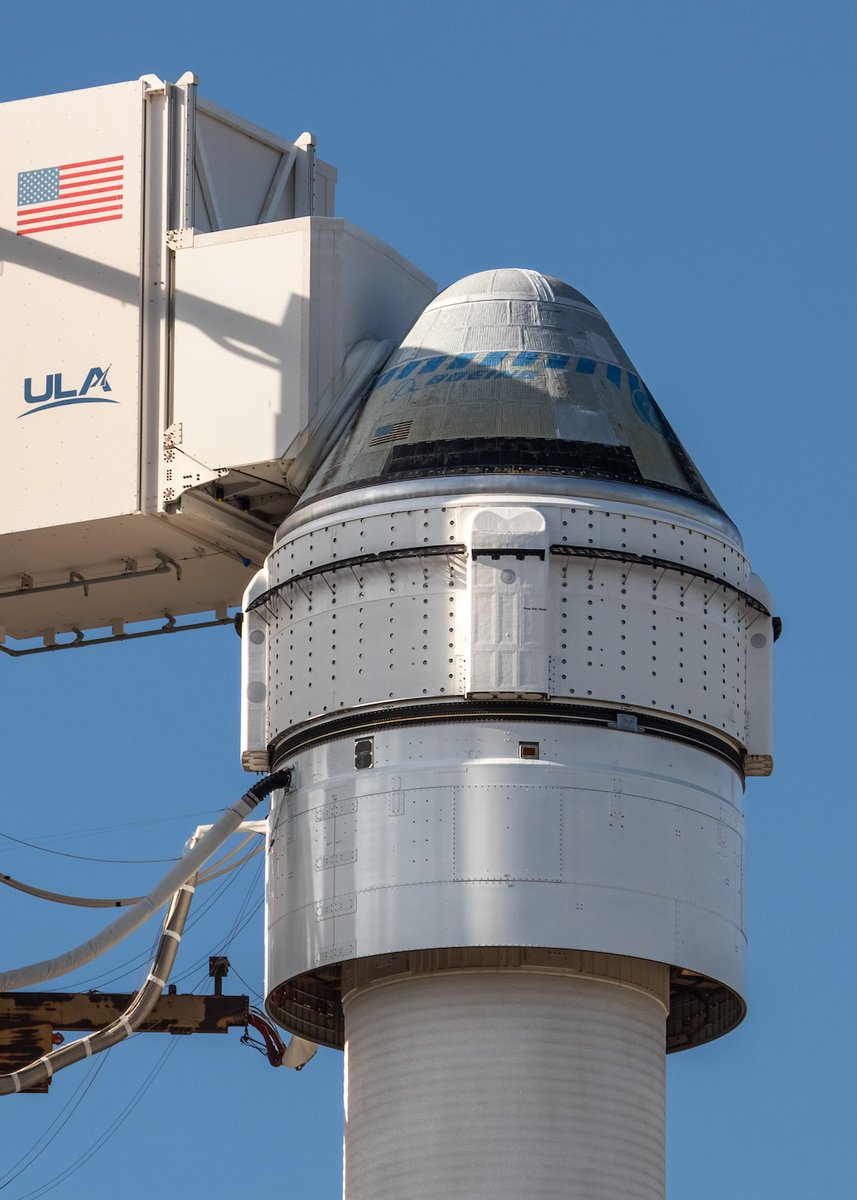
186,327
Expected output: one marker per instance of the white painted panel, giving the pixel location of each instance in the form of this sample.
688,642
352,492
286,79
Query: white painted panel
508,832
760,645
254,680
265,318
238,166
509,603
70,305
349,636
241,312
406,838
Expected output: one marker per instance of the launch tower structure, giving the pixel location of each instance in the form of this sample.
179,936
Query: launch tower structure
498,634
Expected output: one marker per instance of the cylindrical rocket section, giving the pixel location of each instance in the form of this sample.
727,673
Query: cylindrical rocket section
485,1085
512,652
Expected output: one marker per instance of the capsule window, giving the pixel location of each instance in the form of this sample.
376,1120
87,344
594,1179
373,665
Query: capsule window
528,749
364,753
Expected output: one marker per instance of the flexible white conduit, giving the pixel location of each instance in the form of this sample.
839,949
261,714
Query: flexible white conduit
62,898
133,1017
217,868
297,1052
195,857
125,901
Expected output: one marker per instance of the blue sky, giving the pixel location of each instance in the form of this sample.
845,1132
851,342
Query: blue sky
690,167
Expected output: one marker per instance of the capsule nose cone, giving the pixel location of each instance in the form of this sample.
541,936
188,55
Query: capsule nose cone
518,283
513,308
512,371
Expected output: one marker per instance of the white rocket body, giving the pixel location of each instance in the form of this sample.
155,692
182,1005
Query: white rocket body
512,650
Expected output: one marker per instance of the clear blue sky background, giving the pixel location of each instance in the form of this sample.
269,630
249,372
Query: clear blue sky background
690,167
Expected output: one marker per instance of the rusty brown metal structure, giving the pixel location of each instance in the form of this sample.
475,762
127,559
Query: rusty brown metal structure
29,1020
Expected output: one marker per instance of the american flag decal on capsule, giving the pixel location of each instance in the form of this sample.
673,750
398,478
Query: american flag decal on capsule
72,194
391,433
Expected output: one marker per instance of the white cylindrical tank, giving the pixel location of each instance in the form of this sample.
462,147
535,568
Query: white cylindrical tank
511,648
488,1085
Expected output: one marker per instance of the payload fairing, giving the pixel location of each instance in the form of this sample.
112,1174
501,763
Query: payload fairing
511,648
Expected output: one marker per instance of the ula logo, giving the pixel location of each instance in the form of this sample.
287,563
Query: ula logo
93,390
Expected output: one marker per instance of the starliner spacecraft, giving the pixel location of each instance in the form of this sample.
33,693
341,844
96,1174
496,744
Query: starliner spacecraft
505,665
512,651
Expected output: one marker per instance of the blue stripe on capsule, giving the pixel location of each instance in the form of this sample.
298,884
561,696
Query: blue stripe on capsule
526,358
556,362
460,362
494,357
633,380
408,369
585,366
614,374
432,364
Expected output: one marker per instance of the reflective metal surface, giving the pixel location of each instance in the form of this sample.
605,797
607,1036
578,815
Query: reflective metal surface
600,494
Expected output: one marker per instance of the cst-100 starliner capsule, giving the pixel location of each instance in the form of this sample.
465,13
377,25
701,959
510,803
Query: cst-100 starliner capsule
511,647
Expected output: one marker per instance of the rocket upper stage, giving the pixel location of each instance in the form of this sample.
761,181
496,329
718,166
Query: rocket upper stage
511,371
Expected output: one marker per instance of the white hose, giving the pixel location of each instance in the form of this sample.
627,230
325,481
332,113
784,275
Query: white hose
62,898
142,1003
212,872
189,864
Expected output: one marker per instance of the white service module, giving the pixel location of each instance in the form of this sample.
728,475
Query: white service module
183,317
512,650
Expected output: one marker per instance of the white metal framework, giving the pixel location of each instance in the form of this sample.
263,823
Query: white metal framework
183,318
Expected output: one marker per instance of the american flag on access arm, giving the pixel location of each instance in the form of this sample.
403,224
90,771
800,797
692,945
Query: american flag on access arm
78,193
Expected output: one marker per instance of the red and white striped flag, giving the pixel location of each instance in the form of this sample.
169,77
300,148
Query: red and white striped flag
79,193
